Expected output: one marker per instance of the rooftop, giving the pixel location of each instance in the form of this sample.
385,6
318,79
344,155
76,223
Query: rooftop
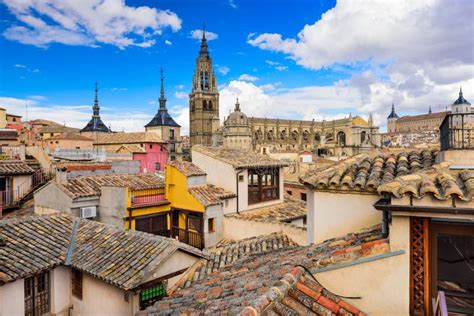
37,243
291,209
209,194
84,165
187,168
8,134
8,167
411,118
127,138
274,281
366,172
57,129
239,158
70,136
88,186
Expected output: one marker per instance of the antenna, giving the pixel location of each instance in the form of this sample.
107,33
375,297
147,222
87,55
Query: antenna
26,110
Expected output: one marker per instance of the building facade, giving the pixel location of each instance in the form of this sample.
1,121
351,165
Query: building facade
203,100
236,132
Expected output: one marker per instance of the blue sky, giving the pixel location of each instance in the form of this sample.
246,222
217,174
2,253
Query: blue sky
280,57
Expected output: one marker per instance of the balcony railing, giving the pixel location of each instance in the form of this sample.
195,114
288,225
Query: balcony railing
147,197
189,237
457,131
10,153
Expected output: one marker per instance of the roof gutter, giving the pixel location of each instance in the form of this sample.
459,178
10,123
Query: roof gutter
385,205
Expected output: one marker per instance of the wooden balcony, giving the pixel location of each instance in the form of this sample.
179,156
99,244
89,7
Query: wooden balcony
148,197
189,237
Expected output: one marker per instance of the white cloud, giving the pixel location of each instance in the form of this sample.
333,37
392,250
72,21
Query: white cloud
247,77
197,35
181,95
410,52
36,70
278,66
281,68
88,23
270,86
233,4
19,66
272,63
37,97
223,70
119,89
168,42
180,87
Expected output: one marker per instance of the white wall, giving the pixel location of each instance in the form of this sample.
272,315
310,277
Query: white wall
218,172
236,228
216,212
100,298
52,197
230,206
61,291
12,298
196,180
335,214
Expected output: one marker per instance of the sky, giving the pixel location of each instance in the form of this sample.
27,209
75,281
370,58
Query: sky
289,59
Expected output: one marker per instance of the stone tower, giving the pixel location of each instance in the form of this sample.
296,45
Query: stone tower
203,100
392,120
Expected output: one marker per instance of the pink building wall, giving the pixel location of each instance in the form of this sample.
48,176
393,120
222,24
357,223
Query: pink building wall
155,153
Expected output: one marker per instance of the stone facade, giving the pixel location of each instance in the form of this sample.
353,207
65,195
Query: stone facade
203,100
236,132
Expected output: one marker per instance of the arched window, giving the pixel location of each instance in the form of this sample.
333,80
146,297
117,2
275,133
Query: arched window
204,105
341,138
192,106
317,138
363,137
294,135
329,137
210,106
283,135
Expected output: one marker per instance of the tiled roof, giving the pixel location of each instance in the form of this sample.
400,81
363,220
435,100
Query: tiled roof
209,194
291,209
58,129
14,167
229,251
128,138
85,165
37,243
366,172
412,118
132,148
255,281
8,134
44,122
70,136
86,186
239,157
187,168
438,181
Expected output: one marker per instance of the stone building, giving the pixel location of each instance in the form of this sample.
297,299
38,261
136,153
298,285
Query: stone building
342,137
236,131
204,99
95,125
426,122
165,126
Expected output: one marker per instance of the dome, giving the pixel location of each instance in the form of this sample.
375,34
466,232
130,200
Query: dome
236,118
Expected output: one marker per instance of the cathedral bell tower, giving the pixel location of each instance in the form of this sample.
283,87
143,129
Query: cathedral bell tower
203,99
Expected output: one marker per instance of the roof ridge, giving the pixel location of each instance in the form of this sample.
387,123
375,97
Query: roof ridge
72,241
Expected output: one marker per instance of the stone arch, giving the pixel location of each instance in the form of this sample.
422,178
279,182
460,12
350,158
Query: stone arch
204,105
283,135
363,137
210,105
317,137
294,136
341,138
329,137
270,135
306,136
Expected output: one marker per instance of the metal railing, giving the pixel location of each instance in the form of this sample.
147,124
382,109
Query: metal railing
13,197
147,197
457,131
189,237
10,153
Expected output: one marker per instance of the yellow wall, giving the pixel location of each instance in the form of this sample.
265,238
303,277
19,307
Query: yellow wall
142,211
3,118
177,191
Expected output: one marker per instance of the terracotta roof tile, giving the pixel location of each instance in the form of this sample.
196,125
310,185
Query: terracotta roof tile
239,158
37,243
69,136
57,129
291,209
14,167
438,181
209,194
187,168
366,172
274,282
8,134
127,138
85,186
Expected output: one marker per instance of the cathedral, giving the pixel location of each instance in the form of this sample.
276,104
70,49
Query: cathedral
341,137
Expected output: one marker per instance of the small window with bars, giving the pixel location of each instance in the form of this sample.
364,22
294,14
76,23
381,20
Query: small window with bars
152,294
76,280
37,294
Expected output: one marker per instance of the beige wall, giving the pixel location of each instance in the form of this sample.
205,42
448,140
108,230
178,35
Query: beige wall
236,228
100,298
112,206
61,291
14,294
3,118
69,144
336,214
50,197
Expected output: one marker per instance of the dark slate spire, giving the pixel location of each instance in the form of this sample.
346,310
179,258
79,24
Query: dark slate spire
461,99
162,118
162,99
96,124
237,106
393,114
429,111
204,51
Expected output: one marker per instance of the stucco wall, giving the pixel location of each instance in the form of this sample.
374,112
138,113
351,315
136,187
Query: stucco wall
51,197
112,206
230,205
196,180
60,291
336,214
236,228
100,298
212,238
14,294
219,173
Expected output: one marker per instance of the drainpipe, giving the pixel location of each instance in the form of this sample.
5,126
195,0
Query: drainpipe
237,187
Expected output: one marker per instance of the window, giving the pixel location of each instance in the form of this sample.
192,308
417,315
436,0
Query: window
172,148
37,294
151,146
157,166
76,280
303,196
263,185
194,223
171,133
152,294
157,225
210,225
289,192
241,178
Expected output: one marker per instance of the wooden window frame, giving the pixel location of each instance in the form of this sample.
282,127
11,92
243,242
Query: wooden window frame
259,189
76,283
37,294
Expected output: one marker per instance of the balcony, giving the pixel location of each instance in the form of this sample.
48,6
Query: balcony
457,131
148,197
187,236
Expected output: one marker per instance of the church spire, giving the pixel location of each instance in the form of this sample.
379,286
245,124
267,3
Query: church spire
96,108
429,110
204,51
392,114
237,106
162,99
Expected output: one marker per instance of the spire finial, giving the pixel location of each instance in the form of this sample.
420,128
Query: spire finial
95,108
237,105
204,31
162,99
429,110
460,91
204,51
